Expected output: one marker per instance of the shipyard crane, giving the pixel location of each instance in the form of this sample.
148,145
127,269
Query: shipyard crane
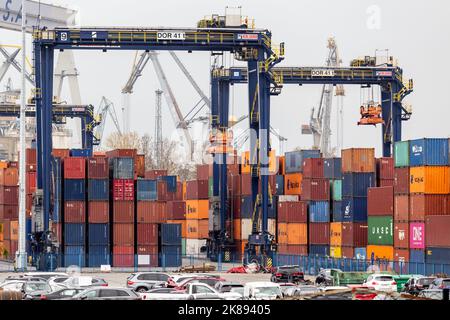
320,120
10,60
105,108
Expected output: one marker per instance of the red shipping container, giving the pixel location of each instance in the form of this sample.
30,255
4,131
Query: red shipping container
6,229
354,234
401,180
296,212
272,184
386,183
401,235
29,203
123,211
232,168
9,195
123,256
98,168
152,252
401,207
9,212
380,201
61,153
31,181
98,211
293,249
234,184
123,189
74,168
161,188
123,234
235,207
154,174
422,205
9,177
151,212
30,168
313,168
437,231
74,212
30,156
246,185
147,234
347,252
319,233
176,210
401,256
316,189
121,153
197,189
139,166
178,196
202,172
385,168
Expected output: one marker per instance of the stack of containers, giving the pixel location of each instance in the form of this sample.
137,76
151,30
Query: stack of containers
74,211
169,245
31,178
121,171
292,233
98,212
332,171
385,172
57,186
380,210
9,194
316,190
293,167
429,193
9,238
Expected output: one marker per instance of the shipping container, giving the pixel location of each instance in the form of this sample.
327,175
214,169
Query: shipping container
293,249
417,261
31,181
319,233
337,213
293,184
61,153
313,168
380,230
401,235
422,205
354,209
336,234
9,212
85,153
316,189
147,256
385,183
378,252
358,160
430,180
295,212
197,189
197,209
245,185
282,233
402,257
147,234
74,234
97,168
123,211
401,207
9,177
98,189
319,211
98,234
74,168
357,184
74,189
123,234
74,255
438,255
154,174
428,152
297,233
294,159
128,153
139,166
319,250
336,190
417,235
347,252
99,255
336,252
354,234
279,185
123,190
171,182
146,190
360,253
74,211
122,168
194,247
197,229
170,256
170,234
202,171
437,230
183,226
332,168
176,210
98,212
9,195
123,256
281,165
385,168
401,180
401,154
380,201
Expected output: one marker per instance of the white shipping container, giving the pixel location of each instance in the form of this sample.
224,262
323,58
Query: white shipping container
287,198
271,226
193,246
246,228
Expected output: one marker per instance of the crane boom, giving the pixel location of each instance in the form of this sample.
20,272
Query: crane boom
106,107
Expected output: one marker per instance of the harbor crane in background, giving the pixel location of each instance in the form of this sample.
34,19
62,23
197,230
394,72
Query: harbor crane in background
105,108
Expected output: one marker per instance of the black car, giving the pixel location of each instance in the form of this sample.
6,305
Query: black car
61,294
416,285
287,274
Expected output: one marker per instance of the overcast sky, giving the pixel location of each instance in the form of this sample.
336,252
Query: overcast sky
417,33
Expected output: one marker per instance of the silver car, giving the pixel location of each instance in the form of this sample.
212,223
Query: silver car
145,281
103,293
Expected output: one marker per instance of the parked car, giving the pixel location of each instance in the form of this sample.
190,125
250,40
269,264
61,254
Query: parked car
223,286
211,281
102,293
440,283
46,275
416,284
193,291
62,294
381,282
175,279
299,291
287,274
29,289
54,282
325,277
261,290
25,278
144,281
81,282
435,294
285,286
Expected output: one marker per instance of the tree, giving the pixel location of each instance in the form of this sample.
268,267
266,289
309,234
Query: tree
123,141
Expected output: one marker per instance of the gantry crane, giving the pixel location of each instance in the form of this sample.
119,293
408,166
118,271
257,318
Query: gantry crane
105,108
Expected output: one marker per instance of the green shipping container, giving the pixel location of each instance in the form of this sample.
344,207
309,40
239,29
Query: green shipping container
210,187
401,154
336,190
183,246
380,230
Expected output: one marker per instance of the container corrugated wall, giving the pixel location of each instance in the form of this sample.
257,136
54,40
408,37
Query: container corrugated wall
428,152
430,180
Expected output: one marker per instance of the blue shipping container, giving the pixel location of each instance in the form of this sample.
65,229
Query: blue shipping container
337,215
246,207
146,190
294,159
319,211
279,185
272,210
332,168
170,234
98,189
428,152
84,153
356,184
354,209
99,255
417,261
74,189
74,234
360,253
170,256
438,260
319,250
98,234
122,168
171,182
74,256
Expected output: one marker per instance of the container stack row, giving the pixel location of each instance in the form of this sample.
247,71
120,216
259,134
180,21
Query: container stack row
9,208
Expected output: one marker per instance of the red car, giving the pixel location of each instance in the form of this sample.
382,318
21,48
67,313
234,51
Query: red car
208,280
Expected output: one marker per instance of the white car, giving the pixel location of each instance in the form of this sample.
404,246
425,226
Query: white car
381,282
260,290
194,291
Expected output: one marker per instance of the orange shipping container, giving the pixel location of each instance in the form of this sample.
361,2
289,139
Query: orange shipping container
336,234
297,233
245,162
429,180
139,165
9,177
293,184
197,209
380,252
3,165
358,160
183,226
61,153
282,233
282,165
184,190
237,229
273,164
197,229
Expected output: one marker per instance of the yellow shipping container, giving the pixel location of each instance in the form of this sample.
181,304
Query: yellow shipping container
197,229
336,234
14,232
336,252
282,233
380,252
297,233
429,180
197,209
